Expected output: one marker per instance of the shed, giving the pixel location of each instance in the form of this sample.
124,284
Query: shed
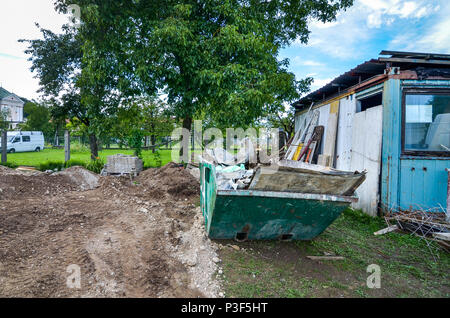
390,116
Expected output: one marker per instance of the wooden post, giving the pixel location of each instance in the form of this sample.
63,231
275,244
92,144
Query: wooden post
4,146
67,145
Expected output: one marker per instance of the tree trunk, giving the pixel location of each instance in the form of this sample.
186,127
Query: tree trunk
187,124
153,142
94,146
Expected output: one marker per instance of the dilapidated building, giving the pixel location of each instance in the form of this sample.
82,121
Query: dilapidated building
390,116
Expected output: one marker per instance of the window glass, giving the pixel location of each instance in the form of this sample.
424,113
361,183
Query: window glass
16,139
26,138
427,123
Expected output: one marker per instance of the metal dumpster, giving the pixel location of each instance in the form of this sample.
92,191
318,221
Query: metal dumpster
265,215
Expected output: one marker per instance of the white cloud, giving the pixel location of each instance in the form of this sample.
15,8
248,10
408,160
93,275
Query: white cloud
435,39
300,62
17,22
320,82
343,37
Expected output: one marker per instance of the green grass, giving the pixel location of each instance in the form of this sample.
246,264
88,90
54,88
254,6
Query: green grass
281,269
55,157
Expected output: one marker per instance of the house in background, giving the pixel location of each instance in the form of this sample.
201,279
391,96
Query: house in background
391,117
13,105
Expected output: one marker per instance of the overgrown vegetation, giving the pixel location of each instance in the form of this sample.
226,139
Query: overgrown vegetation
9,165
95,166
51,159
281,269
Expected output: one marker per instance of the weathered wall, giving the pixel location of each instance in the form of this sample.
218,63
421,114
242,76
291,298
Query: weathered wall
409,182
347,110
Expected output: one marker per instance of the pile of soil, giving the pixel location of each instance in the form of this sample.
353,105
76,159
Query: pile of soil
173,179
130,238
18,185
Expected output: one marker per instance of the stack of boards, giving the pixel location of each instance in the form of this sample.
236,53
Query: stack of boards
306,142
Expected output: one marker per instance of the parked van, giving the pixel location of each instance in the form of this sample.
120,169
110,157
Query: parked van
23,141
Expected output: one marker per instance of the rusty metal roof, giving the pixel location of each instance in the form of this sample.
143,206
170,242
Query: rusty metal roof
356,75
371,68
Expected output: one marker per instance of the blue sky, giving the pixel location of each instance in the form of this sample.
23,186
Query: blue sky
357,35
364,30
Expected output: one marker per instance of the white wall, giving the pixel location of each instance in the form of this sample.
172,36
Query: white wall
15,107
347,109
366,155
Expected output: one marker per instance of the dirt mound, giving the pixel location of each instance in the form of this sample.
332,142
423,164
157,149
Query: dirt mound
173,179
130,238
20,184
82,177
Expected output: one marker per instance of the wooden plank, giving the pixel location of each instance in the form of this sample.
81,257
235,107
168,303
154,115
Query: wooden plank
285,179
297,152
442,236
326,258
389,229
330,139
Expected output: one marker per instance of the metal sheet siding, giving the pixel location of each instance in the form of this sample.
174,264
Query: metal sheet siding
409,182
391,144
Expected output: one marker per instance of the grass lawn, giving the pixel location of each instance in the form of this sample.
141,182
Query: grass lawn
281,269
33,159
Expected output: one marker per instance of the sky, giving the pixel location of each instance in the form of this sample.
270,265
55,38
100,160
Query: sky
358,34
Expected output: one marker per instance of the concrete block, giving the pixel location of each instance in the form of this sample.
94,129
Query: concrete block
123,164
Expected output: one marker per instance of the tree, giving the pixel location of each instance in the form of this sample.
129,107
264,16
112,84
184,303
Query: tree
81,87
143,116
38,119
4,122
215,57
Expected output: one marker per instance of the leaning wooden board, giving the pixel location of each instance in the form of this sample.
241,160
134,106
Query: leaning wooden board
286,179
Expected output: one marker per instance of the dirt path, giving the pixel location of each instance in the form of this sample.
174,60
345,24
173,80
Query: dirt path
141,238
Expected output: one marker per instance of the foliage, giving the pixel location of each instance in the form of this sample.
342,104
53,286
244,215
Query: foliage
34,159
135,141
216,57
9,165
77,147
4,123
282,119
78,87
95,166
38,119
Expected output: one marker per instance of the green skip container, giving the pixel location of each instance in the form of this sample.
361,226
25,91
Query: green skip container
265,215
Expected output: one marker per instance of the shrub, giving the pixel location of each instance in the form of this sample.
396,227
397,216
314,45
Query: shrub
51,165
77,147
95,166
9,165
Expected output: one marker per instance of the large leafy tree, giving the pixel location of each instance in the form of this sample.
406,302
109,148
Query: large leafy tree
79,83
214,57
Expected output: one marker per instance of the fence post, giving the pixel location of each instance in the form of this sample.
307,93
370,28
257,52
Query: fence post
67,145
4,147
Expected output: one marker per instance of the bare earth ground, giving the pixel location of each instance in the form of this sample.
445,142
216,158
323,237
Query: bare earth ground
140,238
146,238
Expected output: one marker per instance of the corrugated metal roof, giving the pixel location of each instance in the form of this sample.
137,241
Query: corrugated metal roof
369,69
356,75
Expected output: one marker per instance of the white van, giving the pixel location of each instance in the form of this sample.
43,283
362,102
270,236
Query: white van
23,141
